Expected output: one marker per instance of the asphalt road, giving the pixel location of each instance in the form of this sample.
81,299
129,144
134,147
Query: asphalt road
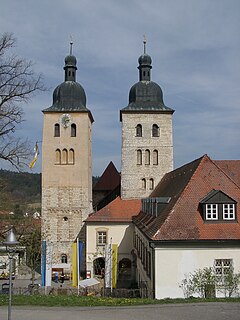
195,311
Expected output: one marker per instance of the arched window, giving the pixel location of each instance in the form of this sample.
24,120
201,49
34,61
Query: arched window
151,184
139,156
64,156
144,184
155,130
71,157
63,258
139,130
155,157
58,157
73,130
56,130
147,157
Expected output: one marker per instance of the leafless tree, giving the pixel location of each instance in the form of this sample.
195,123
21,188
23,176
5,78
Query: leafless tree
18,82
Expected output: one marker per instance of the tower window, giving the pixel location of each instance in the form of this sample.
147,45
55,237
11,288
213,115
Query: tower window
151,184
147,157
144,184
63,258
71,156
155,130
155,157
139,130
139,156
57,130
58,157
64,156
73,130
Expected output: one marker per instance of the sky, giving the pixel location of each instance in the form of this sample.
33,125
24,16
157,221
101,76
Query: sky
195,51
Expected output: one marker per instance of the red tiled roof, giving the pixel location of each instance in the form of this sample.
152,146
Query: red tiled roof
117,210
231,168
109,180
181,218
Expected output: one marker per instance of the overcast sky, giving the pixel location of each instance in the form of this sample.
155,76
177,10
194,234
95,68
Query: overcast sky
195,49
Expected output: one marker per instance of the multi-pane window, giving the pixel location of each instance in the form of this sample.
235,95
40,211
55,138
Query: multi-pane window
222,267
229,211
211,212
101,238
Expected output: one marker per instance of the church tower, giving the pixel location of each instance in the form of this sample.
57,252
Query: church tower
66,168
147,146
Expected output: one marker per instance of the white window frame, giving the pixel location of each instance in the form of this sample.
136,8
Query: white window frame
212,210
229,211
101,237
221,268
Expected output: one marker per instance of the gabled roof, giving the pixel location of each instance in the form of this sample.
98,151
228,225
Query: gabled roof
181,219
116,211
109,180
231,168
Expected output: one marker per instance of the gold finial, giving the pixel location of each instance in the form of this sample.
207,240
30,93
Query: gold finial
144,43
71,44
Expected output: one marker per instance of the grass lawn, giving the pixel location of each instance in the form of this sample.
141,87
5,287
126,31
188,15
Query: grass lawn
82,301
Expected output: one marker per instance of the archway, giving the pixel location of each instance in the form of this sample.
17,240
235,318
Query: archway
99,266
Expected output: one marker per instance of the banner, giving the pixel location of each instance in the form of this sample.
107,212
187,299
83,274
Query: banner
108,265
114,264
74,265
77,249
43,264
36,150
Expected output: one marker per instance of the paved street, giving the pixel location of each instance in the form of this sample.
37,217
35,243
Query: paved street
199,311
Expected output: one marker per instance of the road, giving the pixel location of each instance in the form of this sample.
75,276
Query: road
195,311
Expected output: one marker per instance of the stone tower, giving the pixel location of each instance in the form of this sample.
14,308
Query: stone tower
147,146
66,168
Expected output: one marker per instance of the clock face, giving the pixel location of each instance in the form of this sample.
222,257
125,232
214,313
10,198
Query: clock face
65,120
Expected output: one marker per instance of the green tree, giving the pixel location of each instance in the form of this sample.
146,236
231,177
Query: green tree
201,282
18,82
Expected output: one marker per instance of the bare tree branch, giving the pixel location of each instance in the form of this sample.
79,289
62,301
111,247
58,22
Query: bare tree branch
18,83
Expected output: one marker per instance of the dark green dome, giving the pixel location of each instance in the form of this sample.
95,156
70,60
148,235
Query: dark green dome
145,59
70,96
70,61
145,94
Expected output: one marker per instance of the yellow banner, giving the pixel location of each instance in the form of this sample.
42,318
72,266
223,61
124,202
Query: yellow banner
74,265
114,264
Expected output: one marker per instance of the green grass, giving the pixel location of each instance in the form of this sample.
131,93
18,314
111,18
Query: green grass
82,301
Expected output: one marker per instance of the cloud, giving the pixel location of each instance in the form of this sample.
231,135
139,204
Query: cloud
194,46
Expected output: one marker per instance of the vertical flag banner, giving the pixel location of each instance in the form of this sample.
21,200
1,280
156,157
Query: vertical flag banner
108,265
43,264
48,277
36,150
74,265
80,251
114,264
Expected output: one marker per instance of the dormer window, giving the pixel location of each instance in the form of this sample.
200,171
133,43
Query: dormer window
218,206
211,212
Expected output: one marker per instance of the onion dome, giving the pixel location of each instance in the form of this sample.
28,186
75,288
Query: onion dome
69,95
146,95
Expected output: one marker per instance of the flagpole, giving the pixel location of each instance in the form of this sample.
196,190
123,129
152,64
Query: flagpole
78,266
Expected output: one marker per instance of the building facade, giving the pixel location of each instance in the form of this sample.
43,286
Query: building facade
66,169
147,145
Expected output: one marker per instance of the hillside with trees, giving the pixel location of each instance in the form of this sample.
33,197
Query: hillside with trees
20,191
